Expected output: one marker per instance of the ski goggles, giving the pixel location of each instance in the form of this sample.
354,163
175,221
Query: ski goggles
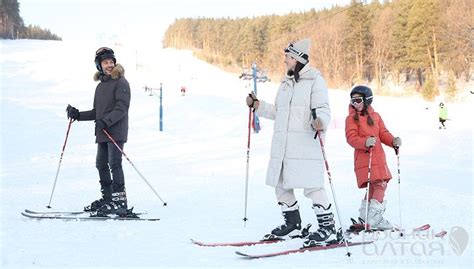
357,100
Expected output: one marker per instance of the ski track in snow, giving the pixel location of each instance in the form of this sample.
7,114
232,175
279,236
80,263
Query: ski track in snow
198,166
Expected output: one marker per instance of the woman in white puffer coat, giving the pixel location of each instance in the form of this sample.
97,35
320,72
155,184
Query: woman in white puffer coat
296,159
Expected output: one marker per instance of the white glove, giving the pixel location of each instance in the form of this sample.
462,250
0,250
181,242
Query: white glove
370,142
397,142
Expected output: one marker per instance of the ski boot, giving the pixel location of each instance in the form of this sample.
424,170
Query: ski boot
375,216
326,233
117,206
106,198
292,226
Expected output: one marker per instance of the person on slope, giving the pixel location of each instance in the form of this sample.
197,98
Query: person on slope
296,160
443,115
110,113
365,132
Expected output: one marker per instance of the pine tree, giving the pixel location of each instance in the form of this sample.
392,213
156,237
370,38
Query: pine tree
451,91
11,22
429,91
358,37
422,44
400,36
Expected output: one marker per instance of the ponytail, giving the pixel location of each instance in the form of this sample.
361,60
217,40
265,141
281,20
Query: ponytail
364,112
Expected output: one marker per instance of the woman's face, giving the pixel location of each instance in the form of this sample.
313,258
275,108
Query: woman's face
290,63
107,66
357,101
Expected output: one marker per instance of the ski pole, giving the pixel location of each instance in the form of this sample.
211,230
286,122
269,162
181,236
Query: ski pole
330,183
60,161
399,193
367,191
248,163
138,172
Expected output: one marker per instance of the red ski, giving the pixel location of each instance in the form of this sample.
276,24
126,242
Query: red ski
359,227
299,250
236,244
267,239
441,234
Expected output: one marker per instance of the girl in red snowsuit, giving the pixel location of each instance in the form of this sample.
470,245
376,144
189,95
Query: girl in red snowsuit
365,132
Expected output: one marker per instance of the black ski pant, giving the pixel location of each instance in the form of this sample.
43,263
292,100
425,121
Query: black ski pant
109,160
442,121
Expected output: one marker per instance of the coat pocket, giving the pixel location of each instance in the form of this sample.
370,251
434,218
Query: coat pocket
307,119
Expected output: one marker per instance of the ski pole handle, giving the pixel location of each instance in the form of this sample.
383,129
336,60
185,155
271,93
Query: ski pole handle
396,150
313,112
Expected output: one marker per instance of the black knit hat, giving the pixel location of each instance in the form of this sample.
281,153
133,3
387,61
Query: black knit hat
102,54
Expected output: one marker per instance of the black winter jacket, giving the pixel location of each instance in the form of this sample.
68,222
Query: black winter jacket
111,103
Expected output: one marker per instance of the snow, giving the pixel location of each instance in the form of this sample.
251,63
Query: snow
197,165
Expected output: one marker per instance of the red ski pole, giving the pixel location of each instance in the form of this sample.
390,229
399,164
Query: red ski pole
248,163
367,191
138,172
60,161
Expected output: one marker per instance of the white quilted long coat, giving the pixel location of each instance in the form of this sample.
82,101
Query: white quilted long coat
295,155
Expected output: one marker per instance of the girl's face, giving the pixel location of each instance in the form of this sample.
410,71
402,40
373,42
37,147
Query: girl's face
290,63
107,66
357,101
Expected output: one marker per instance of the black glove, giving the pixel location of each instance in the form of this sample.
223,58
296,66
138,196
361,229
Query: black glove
72,112
99,126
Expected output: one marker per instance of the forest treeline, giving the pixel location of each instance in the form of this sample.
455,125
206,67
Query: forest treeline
427,44
13,27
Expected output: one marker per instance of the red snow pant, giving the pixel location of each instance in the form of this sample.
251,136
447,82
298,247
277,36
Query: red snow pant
377,190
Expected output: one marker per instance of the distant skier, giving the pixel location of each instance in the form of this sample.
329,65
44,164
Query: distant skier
443,115
183,90
110,112
296,158
365,130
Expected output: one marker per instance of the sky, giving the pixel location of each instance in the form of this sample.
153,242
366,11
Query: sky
84,20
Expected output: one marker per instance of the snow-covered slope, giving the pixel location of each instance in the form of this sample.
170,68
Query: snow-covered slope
198,166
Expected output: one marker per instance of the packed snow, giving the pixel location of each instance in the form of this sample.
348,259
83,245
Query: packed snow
197,165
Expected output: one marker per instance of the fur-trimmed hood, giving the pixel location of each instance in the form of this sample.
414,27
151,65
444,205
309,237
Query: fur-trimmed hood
117,72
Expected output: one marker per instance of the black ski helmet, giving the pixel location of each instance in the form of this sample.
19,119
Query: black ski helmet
366,93
102,54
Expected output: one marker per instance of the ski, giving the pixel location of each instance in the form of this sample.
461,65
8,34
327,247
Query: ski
66,213
356,228
81,218
298,250
236,244
55,212
267,239
441,234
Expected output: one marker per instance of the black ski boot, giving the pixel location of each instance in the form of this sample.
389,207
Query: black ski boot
106,198
326,233
292,226
117,206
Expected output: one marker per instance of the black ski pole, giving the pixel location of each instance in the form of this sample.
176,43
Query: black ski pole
330,183
140,174
60,161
